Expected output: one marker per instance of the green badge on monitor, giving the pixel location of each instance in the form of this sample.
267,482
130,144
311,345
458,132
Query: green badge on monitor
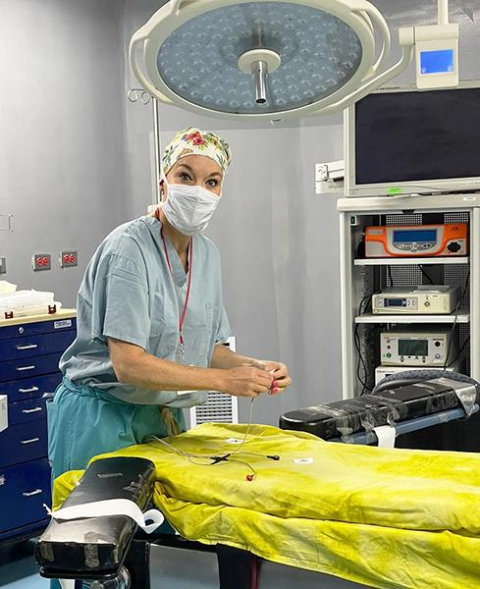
394,191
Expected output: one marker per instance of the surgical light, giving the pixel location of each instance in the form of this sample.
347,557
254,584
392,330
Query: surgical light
266,59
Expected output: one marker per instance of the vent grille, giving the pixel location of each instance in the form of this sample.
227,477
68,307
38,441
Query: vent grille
401,219
219,408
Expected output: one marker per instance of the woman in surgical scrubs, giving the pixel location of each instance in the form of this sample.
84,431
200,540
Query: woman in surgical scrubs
151,321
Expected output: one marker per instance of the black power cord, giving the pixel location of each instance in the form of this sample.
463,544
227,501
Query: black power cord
390,279
361,363
420,267
457,308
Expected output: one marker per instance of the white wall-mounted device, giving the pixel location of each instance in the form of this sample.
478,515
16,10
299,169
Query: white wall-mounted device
329,177
436,50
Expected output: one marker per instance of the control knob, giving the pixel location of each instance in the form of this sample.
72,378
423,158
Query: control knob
454,247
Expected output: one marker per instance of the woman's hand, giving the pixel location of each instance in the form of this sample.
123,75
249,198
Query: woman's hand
246,381
279,371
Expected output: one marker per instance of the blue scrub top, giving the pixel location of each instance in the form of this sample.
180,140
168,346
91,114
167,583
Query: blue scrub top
129,293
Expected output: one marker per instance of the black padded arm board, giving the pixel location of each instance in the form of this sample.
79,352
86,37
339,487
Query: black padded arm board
96,546
348,417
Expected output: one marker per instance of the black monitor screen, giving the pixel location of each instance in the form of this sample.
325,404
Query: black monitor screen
417,136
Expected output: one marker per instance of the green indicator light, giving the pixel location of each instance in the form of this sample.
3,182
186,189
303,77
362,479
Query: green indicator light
394,191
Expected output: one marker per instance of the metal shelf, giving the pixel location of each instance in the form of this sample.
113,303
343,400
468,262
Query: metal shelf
411,261
358,278
462,317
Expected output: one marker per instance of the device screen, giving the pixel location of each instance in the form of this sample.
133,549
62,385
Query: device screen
415,236
415,347
437,62
394,302
417,136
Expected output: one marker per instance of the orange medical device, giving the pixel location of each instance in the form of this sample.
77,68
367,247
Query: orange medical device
396,241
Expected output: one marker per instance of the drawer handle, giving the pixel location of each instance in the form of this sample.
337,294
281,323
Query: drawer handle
24,368
33,493
32,441
32,390
27,347
28,411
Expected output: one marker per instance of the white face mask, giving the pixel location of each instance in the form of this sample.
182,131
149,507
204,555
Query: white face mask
190,208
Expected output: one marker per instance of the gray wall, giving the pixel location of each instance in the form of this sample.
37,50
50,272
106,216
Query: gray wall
62,128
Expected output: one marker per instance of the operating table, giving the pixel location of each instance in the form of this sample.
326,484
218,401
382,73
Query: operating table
111,552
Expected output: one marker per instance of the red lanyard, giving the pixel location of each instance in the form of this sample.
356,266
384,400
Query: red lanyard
181,317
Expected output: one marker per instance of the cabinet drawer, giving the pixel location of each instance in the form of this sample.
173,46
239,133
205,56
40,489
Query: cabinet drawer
35,345
31,329
30,388
24,411
16,369
24,489
23,442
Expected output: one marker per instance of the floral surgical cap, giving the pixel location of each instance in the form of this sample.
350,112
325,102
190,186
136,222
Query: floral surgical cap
192,141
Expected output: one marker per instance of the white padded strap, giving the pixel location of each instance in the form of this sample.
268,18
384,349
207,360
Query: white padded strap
111,507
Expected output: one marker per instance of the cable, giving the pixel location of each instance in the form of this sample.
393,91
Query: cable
457,308
361,361
461,350
239,447
420,267
389,271
359,352
197,459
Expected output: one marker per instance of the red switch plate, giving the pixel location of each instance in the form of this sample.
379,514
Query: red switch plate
42,262
68,259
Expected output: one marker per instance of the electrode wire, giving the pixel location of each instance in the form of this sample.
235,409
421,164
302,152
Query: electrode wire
199,459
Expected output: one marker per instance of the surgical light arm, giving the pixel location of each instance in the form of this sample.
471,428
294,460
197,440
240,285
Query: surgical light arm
408,48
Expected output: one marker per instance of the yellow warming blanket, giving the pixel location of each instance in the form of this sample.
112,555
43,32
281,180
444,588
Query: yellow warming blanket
385,518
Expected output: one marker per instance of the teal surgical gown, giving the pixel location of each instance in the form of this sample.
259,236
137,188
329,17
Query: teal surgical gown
129,293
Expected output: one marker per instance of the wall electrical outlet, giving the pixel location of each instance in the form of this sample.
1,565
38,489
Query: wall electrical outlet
3,265
68,259
42,262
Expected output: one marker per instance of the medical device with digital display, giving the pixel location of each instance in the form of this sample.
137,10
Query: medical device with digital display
450,239
428,347
422,300
400,141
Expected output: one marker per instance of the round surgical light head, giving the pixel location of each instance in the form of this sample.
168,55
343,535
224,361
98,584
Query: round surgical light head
264,59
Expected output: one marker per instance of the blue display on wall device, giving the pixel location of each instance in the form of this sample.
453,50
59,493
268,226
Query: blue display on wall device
437,62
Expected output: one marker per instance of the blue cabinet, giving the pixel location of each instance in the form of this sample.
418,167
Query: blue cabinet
29,356
24,488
